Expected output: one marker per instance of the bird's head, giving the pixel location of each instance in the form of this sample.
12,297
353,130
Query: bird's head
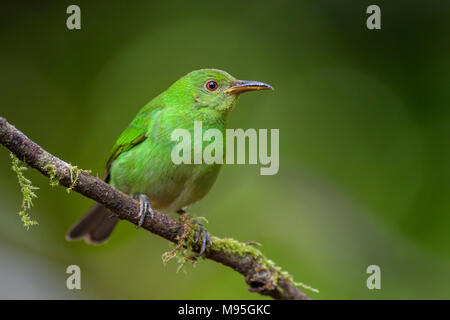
213,88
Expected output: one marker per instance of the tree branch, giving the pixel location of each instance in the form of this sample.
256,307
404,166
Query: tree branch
260,273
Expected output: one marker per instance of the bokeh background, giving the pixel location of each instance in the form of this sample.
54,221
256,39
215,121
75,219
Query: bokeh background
364,142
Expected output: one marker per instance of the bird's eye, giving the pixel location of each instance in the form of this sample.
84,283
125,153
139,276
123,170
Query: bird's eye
211,85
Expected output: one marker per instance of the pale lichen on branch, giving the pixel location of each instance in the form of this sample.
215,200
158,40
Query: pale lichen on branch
74,175
26,188
182,250
51,171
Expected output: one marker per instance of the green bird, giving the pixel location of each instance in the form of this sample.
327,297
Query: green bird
140,162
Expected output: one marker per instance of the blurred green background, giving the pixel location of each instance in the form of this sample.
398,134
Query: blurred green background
364,125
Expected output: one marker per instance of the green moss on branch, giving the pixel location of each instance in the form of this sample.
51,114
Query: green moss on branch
234,247
26,188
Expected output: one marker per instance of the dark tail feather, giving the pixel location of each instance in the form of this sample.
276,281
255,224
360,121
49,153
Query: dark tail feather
95,226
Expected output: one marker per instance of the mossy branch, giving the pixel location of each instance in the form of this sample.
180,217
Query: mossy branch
260,273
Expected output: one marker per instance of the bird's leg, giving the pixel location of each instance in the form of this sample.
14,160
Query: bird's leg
205,234
144,208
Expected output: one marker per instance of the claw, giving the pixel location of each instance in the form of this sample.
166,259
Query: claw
205,236
144,208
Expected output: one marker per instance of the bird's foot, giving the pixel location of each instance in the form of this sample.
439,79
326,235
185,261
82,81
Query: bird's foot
144,208
201,230
205,237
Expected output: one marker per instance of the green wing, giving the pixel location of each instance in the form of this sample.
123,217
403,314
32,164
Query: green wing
133,135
